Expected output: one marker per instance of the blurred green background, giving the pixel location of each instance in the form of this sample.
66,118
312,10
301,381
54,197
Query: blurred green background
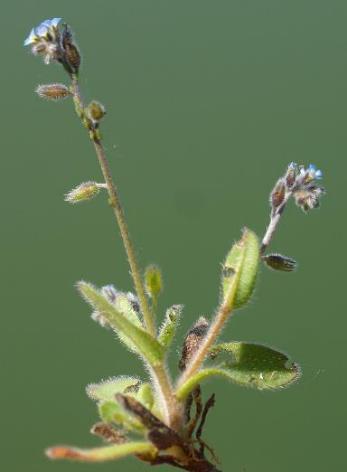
207,103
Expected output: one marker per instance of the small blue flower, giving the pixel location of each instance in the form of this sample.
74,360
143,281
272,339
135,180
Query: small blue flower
43,31
293,165
45,40
314,172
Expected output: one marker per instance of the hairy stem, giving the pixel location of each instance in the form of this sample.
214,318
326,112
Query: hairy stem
160,376
223,313
171,409
119,213
274,220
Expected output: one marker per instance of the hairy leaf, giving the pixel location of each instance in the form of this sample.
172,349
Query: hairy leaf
241,265
101,454
169,326
248,365
107,389
111,412
145,344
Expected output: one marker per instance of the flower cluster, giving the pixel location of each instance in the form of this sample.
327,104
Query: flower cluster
301,183
54,44
305,190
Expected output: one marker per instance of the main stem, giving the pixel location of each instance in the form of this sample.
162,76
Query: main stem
160,376
119,214
123,228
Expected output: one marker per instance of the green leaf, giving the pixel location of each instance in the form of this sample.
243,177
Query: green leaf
153,281
189,385
145,344
109,410
240,267
102,454
112,412
124,305
169,326
255,365
107,389
248,365
145,395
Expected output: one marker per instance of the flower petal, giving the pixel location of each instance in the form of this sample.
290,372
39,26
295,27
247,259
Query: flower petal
31,38
55,22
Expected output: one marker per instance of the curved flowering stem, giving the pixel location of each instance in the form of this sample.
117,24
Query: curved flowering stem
55,43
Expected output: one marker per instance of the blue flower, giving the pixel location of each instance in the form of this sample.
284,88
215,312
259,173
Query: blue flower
300,183
45,40
314,172
45,30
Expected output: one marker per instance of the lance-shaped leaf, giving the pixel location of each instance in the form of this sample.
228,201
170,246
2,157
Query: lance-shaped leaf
105,393
107,389
241,263
102,454
169,326
248,365
145,344
127,305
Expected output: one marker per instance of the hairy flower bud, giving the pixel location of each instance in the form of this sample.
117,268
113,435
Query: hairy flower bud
308,198
153,281
95,111
280,262
278,194
291,174
53,91
192,342
83,192
72,57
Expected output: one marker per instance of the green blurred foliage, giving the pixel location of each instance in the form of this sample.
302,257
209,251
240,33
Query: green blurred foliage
207,103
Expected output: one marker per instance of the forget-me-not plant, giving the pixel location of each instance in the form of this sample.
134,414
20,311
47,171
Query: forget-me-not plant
157,418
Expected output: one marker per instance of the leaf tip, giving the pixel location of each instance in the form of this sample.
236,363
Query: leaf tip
61,452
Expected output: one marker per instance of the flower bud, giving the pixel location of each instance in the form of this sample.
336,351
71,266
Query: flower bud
280,262
72,56
82,192
153,281
95,111
193,341
291,174
278,194
53,91
308,197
